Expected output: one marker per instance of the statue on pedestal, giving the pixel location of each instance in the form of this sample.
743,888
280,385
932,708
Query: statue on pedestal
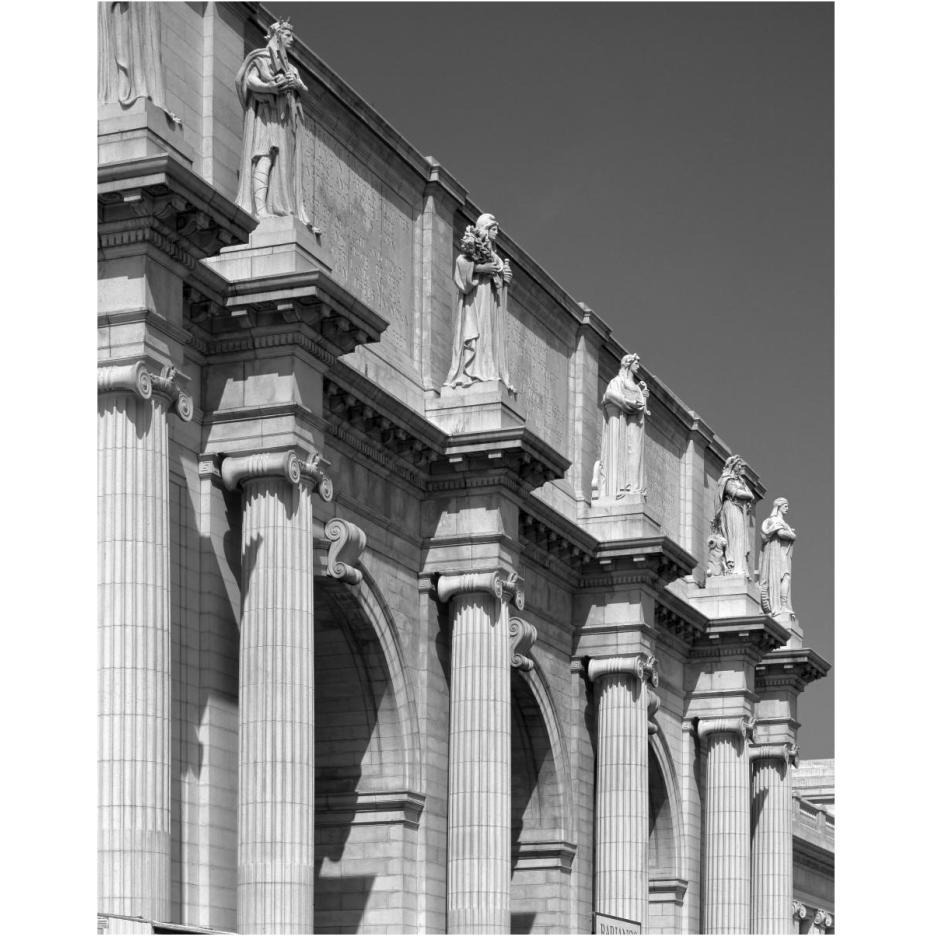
619,470
777,537
129,59
268,87
733,503
479,348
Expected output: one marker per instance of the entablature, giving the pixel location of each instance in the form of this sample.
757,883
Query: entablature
790,668
752,637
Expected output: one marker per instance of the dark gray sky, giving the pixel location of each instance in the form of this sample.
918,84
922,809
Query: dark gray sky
671,164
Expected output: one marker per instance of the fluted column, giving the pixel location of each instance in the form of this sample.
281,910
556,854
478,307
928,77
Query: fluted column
772,838
622,873
134,639
727,870
479,750
275,816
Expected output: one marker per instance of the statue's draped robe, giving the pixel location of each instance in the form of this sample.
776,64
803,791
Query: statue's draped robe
776,562
621,464
479,347
129,60
271,128
732,520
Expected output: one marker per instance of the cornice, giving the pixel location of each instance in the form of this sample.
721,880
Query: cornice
790,668
679,618
750,636
654,560
558,537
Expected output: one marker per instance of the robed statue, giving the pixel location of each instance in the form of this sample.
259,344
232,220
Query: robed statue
479,347
268,86
734,501
619,470
129,58
777,537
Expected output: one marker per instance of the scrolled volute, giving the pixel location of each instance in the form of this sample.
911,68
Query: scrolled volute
522,637
236,469
638,665
741,725
166,383
799,910
503,586
134,378
348,542
314,467
653,706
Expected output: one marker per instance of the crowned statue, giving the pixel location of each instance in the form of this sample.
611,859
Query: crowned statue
268,86
479,348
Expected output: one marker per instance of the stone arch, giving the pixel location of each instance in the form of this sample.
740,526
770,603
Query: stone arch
541,809
666,854
367,762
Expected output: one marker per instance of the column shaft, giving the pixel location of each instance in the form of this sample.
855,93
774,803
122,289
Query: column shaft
134,655
772,847
727,836
622,801
276,820
479,767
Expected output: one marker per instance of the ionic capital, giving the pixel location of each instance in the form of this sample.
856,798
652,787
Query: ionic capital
236,469
130,378
522,637
347,543
314,466
741,725
166,383
787,752
822,920
799,910
502,585
639,665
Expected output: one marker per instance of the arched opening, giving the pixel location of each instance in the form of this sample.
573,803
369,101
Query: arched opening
541,853
366,810
667,885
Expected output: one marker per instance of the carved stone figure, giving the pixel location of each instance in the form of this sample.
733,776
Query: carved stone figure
479,348
268,87
777,537
620,468
129,61
716,544
733,503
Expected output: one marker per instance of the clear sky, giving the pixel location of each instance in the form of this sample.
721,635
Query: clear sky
671,165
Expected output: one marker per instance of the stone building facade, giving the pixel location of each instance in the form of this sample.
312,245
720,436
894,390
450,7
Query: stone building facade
372,656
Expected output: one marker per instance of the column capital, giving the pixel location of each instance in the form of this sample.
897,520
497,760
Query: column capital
136,378
822,919
236,469
347,541
787,752
639,665
507,586
522,637
799,910
741,725
314,467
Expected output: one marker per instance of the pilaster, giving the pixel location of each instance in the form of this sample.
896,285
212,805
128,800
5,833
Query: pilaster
622,796
479,749
276,795
727,866
134,638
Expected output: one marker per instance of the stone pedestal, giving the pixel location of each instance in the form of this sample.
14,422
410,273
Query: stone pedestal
134,640
276,795
483,407
631,517
772,840
622,796
278,245
479,751
727,867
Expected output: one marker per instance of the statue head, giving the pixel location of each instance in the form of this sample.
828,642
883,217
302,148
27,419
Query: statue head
630,362
487,224
780,506
281,30
734,465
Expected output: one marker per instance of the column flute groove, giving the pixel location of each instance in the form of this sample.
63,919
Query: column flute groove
134,718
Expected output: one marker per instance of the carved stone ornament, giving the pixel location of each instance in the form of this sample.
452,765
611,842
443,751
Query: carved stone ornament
786,752
522,638
314,466
504,586
741,725
653,706
777,537
137,379
619,470
268,87
236,469
799,910
347,543
640,666
734,501
479,346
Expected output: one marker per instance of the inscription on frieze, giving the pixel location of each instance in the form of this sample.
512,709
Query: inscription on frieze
367,228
